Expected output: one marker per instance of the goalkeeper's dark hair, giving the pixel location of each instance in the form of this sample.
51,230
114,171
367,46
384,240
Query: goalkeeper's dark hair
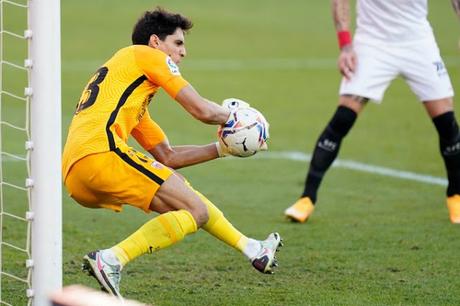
159,22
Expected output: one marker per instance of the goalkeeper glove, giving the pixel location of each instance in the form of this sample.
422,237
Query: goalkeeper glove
222,149
264,147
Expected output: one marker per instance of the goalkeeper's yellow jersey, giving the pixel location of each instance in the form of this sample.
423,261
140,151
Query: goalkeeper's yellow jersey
114,103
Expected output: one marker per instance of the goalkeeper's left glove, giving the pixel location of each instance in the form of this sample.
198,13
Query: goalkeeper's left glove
222,150
264,147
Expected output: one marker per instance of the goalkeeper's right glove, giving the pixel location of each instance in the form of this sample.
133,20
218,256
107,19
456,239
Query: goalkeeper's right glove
234,103
222,149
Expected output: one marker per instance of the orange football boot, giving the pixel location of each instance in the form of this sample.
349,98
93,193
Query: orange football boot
301,210
453,204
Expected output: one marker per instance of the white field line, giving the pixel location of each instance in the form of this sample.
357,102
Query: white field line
339,163
357,166
229,64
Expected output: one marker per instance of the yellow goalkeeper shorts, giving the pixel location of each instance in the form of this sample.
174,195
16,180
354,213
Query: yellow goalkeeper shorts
112,179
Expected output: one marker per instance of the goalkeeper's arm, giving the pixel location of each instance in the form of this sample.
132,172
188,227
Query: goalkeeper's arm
200,108
186,155
182,156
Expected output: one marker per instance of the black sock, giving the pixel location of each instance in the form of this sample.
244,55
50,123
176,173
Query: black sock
449,144
326,149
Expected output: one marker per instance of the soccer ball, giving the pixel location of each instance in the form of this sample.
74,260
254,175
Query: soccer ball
245,133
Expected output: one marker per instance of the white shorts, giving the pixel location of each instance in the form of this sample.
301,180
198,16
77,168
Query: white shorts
420,64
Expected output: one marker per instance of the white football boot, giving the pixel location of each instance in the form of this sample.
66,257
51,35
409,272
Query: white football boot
108,275
265,261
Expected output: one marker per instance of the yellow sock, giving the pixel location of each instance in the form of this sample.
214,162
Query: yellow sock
158,233
220,227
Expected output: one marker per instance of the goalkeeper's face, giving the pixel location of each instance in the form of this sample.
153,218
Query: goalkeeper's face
173,45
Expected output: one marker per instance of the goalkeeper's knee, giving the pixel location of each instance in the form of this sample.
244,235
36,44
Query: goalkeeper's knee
213,212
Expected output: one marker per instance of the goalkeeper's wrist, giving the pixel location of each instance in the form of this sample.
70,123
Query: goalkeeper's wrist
220,150
344,38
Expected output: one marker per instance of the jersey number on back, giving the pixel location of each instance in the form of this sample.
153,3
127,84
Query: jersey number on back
91,91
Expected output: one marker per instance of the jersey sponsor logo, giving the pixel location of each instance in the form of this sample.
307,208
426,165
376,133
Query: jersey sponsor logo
172,66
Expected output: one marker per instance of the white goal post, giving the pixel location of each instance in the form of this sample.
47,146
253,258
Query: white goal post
45,163
30,178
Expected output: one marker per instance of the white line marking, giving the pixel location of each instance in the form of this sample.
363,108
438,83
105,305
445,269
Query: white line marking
339,163
357,166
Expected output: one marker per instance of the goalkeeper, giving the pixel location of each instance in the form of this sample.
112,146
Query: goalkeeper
100,170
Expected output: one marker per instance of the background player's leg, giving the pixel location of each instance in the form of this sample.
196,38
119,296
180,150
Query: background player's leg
326,150
442,114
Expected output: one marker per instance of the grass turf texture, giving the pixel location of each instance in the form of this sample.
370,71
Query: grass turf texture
372,240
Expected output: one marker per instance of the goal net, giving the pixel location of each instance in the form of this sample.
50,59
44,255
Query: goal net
30,146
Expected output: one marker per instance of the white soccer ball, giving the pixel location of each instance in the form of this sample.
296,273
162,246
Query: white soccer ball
234,103
245,133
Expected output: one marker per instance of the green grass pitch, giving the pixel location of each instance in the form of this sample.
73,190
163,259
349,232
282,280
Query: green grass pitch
373,240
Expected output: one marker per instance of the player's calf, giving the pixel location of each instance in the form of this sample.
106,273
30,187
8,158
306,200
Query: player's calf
449,145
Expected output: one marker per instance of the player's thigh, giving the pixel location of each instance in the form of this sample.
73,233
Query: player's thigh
375,69
425,72
175,194
112,179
